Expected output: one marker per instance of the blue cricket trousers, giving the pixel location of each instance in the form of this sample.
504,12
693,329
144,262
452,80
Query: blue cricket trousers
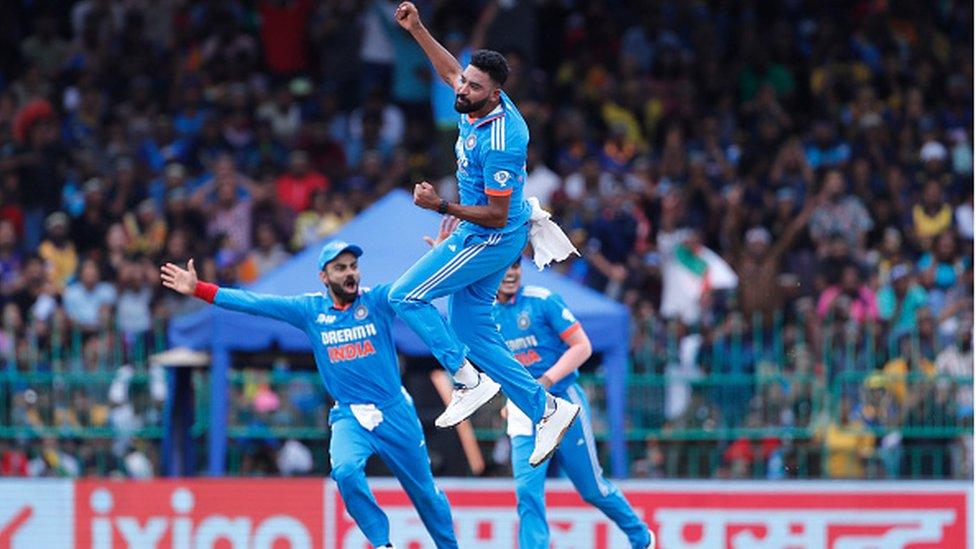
399,441
468,268
578,459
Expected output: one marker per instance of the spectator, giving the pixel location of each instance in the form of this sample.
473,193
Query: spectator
174,178
826,150
908,364
295,187
53,462
11,261
45,49
231,216
839,214
900,300
933,215
133,316
848,445
956,362
284,34
940,268
88,232
326,215
267,254
284,115
371,140
145,229
87,300
861,304
58,252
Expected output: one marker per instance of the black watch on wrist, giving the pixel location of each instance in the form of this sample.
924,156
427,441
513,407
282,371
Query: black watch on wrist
442,209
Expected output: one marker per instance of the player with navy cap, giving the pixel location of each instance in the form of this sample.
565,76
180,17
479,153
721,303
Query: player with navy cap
351,332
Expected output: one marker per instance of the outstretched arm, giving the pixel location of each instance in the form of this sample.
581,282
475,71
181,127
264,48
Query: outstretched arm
444,63
288,309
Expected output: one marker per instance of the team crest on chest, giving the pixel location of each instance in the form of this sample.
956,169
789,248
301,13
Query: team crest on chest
524,321
361,312
470,142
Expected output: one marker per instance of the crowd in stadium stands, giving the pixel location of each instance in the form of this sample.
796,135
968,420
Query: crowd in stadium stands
781,192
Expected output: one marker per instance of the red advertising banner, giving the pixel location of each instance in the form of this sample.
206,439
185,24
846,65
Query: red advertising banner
308,513
201,513
700,515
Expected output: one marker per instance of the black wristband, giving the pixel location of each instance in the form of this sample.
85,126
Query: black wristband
442,209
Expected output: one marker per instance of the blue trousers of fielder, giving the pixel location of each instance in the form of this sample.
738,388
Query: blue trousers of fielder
399,441
469,269
579,462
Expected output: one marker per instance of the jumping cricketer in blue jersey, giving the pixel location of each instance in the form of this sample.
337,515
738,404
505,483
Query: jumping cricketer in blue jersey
468,266
551,344
351,332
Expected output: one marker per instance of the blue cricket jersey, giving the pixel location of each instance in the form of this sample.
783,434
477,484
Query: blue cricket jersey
534,325
491,154
353,346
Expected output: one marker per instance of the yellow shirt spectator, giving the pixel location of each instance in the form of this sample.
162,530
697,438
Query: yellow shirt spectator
928,226
847,446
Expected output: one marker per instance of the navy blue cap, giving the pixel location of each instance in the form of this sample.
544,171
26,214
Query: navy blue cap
332,250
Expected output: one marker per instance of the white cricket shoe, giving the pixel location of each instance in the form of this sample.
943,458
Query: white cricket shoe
466,400
550,430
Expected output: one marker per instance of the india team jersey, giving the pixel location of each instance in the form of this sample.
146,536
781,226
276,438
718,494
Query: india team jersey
534,325
491,154
353,346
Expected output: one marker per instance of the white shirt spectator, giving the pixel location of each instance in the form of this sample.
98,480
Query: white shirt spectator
132,311
82,305
541,182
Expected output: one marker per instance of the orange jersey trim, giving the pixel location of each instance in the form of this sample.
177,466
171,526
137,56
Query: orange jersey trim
493,192
570,331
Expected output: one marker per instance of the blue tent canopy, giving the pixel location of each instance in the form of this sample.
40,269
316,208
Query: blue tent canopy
390,234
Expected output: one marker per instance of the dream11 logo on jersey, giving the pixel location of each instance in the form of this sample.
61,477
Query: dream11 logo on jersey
211,513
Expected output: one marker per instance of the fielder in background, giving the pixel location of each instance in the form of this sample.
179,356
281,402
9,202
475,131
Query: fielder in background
551,344
468,266
351,332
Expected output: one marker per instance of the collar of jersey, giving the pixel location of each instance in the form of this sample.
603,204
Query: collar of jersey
495,114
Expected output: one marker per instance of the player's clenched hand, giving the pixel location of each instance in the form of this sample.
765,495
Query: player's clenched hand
180,280
406,15
425,196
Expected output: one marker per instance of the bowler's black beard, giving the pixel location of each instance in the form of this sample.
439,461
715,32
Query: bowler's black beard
340,292
467,107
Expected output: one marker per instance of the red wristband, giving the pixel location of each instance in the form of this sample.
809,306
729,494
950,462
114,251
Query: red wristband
206,291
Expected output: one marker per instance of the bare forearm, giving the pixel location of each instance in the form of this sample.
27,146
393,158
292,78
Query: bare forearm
486,216
444,63
572,359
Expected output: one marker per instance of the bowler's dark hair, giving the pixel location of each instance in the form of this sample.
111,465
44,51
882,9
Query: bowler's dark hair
492,63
